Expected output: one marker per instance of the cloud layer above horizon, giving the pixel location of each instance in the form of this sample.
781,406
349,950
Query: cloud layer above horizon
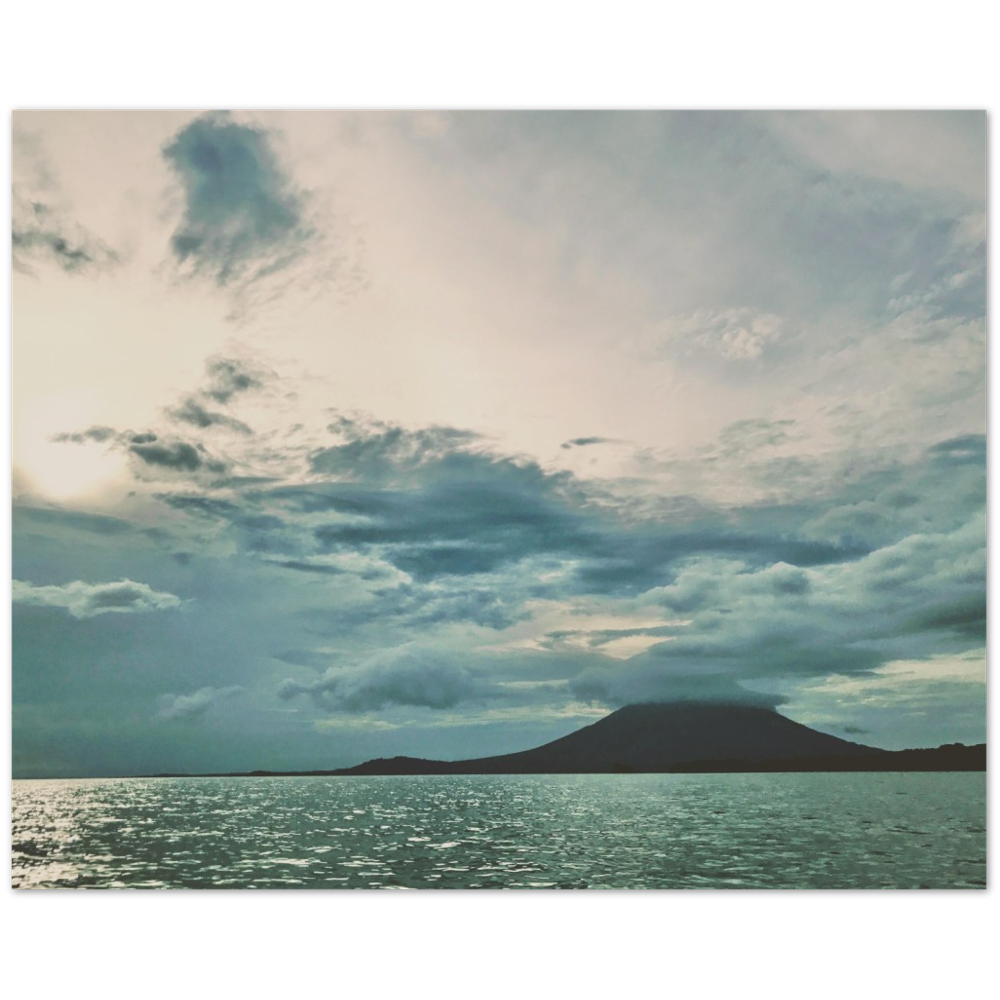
628,406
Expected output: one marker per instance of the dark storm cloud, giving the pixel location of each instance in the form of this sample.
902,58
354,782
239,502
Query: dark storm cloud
502,530
640,559
719,667
744,626
436,507
745,618
465,516
406,533
242,215
965,615
40,234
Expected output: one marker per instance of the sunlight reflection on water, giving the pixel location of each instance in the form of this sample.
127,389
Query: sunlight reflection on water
833,831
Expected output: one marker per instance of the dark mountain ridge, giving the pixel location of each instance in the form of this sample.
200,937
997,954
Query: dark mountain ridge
678,737
684,736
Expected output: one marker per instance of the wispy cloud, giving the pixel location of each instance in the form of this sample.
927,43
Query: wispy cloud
42,234
585,442
192,411
227,379
194,706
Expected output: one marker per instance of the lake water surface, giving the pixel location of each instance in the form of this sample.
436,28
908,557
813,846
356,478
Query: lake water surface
684,831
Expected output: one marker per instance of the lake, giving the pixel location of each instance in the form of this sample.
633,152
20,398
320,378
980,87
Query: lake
655,831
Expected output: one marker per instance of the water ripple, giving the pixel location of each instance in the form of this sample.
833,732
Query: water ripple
537,832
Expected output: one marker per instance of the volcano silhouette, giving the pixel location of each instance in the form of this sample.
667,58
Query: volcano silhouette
656,737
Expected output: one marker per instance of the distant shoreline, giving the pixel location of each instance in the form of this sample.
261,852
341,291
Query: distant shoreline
956,758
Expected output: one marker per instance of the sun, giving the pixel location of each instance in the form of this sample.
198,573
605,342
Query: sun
60,470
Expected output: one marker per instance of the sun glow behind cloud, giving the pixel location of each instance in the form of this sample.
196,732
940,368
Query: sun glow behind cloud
51,469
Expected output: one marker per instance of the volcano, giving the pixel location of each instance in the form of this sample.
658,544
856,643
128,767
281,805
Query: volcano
657,737
674,737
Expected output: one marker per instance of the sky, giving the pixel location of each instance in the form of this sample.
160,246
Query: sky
342,435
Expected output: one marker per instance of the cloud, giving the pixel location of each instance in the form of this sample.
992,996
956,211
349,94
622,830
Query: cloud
435,503
921,596
921,149
227,377
406,676
191,411
243,217
324,569
176,454
791,322
496,607
203,506
374,450
99,434
739,335
406,534
630,685
753,435
583,442
151,450
910,703
162,451
462,516
194,706
87,600
38,233
458,520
